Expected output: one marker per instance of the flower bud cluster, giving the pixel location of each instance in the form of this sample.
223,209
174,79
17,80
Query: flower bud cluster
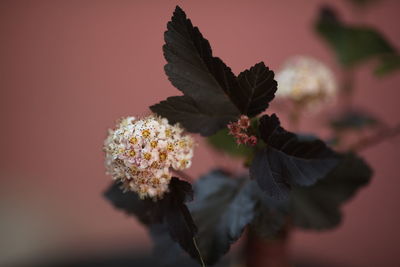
240,130
140,153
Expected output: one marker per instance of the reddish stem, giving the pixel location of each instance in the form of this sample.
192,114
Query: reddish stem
262,252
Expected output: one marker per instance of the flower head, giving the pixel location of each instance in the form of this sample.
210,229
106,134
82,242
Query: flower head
306,80
140,153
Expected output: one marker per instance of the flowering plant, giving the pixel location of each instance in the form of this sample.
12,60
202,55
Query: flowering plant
292,180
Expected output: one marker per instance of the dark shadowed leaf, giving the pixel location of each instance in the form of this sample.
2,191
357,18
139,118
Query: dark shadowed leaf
146,210
353,120
169,254
222,208
166,251
288,160
178,219
318,206
271,181
271,214
225,142
194,118
192,68
352,44
266,223
170,210
257,88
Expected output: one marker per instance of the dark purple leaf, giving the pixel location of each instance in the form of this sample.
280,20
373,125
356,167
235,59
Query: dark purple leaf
194,118
170,211
257,88
318,206
192,68
288,160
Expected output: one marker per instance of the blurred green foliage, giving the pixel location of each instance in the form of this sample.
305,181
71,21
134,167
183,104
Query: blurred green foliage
353,120
363,3
224,142
355,44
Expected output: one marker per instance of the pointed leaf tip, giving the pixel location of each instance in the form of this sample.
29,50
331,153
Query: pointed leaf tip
203,79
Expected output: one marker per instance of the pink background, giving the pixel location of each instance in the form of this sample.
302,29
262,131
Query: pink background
69,69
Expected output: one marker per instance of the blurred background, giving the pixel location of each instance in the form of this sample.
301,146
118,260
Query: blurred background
69,69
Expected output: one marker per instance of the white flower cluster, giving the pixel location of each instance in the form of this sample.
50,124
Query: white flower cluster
140,153
306,80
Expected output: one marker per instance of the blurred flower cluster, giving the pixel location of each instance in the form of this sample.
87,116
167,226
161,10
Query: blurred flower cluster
306,81
140,153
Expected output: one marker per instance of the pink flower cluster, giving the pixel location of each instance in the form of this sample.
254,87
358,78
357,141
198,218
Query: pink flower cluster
240,130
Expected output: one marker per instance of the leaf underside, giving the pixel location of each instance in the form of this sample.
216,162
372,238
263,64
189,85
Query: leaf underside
270,214
222,208
224,142
318,207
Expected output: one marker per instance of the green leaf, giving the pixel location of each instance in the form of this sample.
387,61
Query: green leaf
225,142
388,65
192,68
288,160
353,120
351,44
318,206
257,88
222,208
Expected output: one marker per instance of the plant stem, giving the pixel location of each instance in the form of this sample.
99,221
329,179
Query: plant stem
198,251
376,138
